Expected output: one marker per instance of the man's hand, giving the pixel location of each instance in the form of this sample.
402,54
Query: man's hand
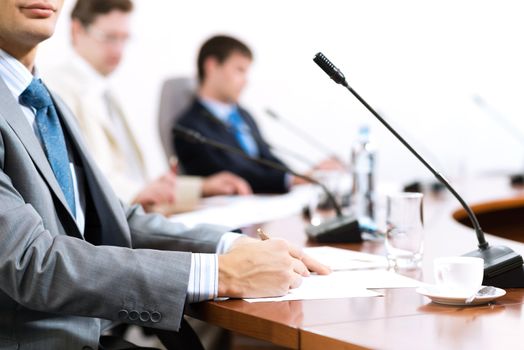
312,264
329,164
255,268
332,163
160,191
259,269
225,183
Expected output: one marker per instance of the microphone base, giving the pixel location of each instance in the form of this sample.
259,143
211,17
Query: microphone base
340,229
503,267
434,187
517,180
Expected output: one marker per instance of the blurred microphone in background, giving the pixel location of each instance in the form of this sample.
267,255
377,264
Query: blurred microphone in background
509,127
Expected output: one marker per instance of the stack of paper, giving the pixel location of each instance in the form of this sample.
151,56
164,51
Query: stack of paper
354,273
321,287
344,284
343,259
241,211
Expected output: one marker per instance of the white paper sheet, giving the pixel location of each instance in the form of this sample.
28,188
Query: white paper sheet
242,211
378,279
344,284
343,259
321,287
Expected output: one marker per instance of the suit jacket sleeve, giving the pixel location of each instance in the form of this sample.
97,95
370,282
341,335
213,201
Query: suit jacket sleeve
154,231
56,273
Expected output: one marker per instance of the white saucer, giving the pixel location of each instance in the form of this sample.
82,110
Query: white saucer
437,296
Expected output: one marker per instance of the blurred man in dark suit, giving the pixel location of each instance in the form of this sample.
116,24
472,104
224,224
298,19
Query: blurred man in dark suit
223,65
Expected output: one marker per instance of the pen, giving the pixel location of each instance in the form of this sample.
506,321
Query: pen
263,236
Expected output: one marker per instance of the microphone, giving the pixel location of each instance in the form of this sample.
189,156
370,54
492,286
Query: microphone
502,266
516,179
340,229
502,120
301,133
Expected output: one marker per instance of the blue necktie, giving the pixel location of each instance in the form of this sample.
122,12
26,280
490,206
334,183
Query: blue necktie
242,133
37,96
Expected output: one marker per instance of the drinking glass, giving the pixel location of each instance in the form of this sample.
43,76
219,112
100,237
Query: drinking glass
404,233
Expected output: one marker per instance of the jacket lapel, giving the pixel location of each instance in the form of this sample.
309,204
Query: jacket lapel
14,116
108,208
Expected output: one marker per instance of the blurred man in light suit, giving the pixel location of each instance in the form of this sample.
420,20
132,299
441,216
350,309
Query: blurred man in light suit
73,259
100,30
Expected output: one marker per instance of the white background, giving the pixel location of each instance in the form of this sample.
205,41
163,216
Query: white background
418,62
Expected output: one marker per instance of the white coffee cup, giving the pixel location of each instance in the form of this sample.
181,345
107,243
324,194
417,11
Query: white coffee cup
459,276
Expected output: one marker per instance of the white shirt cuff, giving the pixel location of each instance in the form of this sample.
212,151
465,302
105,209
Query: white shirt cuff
203,275
203,278
226,241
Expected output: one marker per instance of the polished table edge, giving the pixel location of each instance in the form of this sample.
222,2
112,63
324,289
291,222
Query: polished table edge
295,336
217,313
490,206
318,337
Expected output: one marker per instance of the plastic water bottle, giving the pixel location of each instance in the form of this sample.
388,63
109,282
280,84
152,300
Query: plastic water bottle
363,168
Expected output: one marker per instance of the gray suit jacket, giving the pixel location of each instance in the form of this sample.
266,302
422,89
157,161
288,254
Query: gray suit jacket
55,287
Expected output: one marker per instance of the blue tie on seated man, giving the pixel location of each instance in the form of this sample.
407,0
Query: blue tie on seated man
51,135
223,64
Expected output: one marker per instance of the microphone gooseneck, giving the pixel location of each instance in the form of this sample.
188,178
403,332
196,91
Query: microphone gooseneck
500,119
196,137
339,229
334,73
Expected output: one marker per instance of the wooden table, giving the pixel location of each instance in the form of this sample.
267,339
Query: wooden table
402,319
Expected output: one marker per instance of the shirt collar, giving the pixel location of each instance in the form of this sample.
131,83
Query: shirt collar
219,109
16,76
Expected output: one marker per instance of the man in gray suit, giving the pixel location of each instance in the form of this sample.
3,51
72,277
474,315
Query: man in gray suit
73,259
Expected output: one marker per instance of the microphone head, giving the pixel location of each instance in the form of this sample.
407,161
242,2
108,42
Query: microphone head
329,68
